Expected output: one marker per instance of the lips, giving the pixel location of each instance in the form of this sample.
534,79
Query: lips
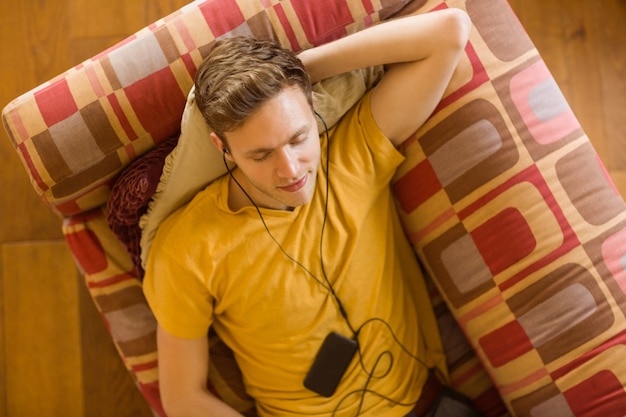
296,186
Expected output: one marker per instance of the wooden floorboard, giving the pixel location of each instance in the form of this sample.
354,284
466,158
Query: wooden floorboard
582,43
28,41
610,46
43,372
54,348
56,357
3,336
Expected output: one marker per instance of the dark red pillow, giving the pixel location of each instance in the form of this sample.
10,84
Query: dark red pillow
131,194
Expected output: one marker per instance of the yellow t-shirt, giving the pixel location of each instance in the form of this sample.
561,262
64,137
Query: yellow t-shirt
211,267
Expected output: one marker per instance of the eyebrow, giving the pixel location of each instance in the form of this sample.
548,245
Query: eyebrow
259,151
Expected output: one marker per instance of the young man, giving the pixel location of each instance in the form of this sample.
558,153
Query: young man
301,240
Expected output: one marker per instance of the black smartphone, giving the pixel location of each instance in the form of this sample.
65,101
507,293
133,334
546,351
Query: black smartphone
330,364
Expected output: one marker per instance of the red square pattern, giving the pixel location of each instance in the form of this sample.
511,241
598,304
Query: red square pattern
286,25
323,20
416,186
55,102
87,250
505,344
121,117
222,16
602,395
149,98
504,240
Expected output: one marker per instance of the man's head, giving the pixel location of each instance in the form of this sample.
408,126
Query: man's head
257,99
242,73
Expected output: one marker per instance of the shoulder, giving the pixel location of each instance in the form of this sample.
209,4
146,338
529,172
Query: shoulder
197,213
359,145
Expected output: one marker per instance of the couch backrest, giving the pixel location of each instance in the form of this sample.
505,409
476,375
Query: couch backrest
76,132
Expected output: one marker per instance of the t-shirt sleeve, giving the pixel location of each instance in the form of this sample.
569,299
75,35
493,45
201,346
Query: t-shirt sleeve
173,288
358,144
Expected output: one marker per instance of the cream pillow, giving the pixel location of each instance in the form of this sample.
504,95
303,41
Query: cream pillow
195,162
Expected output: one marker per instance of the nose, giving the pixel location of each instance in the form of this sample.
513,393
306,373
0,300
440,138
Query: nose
288,164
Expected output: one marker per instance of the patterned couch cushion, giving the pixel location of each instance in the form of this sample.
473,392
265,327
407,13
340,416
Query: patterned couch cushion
502,195
513,215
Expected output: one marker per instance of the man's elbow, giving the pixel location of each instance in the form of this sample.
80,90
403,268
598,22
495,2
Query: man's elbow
178,405
173,407
192,403
456,29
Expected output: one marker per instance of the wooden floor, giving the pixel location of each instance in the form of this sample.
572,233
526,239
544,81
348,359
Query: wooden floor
55,356
583,42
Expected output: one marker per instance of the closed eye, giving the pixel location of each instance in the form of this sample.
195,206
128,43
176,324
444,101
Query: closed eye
299,140
262,154
262,157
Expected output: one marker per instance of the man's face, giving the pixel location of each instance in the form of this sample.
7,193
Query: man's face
278,151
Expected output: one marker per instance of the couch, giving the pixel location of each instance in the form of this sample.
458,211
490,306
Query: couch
520,231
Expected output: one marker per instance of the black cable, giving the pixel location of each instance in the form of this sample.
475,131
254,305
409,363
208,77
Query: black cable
342,310
326,284
291,258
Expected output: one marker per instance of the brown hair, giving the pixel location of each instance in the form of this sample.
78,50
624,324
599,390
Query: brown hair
242,73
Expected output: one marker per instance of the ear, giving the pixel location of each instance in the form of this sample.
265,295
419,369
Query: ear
219,144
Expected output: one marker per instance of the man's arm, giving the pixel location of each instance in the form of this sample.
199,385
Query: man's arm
183,369
421,51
